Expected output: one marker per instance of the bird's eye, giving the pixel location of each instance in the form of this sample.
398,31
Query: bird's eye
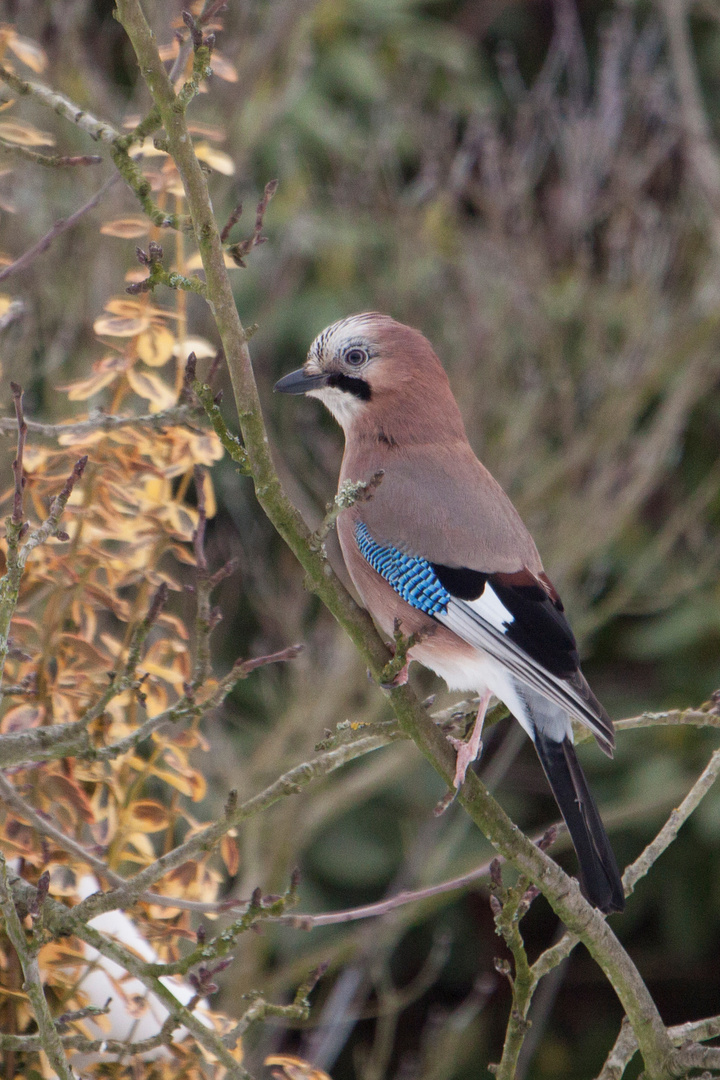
355,357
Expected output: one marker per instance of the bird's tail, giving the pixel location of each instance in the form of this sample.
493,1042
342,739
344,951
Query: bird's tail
599,875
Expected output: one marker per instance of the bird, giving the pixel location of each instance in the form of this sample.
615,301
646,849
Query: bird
439,551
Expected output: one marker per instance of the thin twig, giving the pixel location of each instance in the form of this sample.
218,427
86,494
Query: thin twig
28,257
32,984
203,618
672,826
51,161
290,783
243,248
17,465
172,417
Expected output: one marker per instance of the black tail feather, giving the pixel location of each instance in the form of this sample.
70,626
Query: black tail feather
599,875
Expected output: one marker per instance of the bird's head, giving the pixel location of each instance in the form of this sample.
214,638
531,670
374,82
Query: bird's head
368,367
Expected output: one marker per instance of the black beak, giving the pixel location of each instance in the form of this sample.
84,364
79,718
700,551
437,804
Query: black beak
299,382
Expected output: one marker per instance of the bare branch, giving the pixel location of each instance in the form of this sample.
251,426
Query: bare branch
27,955
101,131
52,161
174,416
672,826
242,249
98,130
17,465
60,227
350,493
50,525
290,783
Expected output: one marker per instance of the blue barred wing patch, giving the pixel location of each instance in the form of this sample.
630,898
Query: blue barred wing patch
412,578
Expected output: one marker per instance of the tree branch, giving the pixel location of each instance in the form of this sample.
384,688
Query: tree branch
101,131
28,257
32,985
563,893
672,826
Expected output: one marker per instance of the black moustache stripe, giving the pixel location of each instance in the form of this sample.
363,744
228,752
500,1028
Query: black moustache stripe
358,387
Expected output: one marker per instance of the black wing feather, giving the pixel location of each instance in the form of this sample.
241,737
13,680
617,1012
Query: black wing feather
539,626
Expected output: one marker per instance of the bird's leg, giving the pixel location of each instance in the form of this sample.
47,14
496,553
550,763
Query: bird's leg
468,751
395,672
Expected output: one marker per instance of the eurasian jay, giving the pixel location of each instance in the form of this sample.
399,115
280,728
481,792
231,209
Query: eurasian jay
440,550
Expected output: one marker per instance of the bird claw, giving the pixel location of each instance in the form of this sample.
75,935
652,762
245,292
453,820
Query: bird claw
467,752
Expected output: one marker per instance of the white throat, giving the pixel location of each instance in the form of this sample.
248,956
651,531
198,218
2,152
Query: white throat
344,406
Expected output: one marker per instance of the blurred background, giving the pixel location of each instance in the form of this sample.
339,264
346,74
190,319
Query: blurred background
536,186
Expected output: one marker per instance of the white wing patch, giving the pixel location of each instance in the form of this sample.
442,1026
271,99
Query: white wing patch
490,607
463,618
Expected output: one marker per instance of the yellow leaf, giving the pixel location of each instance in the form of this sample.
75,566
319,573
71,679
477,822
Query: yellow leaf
142,845
179,782
216,159
85,388
156,699
152,388
137,273
200,346
140,309
195,262
217,134
209,494
168,52
27,51
24,134
114,326
295,1068
205,448
181,520
148,816
230,854
155,345
148,149
223,68
128,228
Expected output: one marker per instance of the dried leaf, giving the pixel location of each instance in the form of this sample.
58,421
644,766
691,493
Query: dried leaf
216,159
148,149
28,52
195,262
148,816
128,228
223,68
207,131
85,388
61,789
113,326
153,389
230,854
132,309
24,134
155,345
200,346
295,1068
21,718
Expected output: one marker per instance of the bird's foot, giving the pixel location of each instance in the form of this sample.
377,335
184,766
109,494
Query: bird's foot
467,752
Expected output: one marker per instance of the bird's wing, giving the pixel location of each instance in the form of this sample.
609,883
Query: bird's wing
516,618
